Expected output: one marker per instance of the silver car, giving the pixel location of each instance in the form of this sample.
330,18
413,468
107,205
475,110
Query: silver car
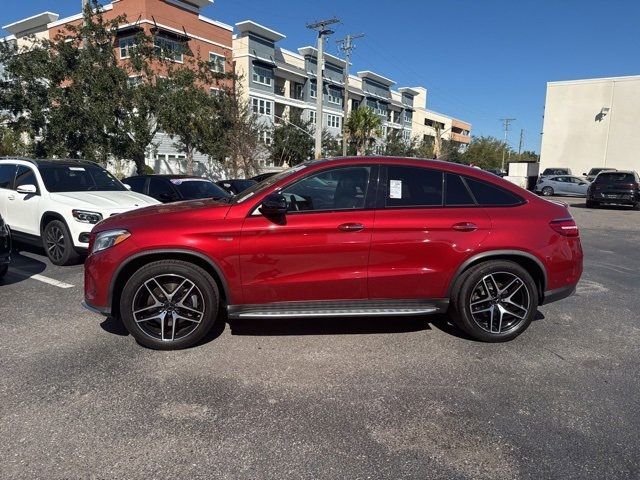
562,185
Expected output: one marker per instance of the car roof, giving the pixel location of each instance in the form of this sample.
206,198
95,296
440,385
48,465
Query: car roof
168,176
40,162
614,172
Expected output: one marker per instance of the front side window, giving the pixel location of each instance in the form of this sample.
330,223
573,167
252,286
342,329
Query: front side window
488,195
7,172
217,62
85,178
342,188
263,76
161,189
136,183
413,187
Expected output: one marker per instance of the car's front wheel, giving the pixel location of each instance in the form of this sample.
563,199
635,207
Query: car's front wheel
496,301
58,244
547,191
169,304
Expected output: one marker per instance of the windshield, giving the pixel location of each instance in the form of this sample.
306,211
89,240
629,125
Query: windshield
195,188
85,178
609,178
241,197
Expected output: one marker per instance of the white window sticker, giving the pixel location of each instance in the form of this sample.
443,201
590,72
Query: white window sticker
76,169
395,188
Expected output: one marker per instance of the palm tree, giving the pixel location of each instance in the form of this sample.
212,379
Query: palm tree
363,126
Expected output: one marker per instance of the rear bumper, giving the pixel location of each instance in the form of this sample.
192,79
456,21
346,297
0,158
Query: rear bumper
551,296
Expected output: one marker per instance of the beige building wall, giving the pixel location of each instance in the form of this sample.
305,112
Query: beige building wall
580,133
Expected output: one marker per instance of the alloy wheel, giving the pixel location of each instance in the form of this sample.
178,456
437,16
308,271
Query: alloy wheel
499,302
168,307
55,243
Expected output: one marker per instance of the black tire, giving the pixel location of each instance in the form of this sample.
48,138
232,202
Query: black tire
547,191
188,331
591,204
466,287
3,270
58,244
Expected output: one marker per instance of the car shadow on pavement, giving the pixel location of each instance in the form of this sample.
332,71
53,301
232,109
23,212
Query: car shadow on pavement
606,207
21,268
446,325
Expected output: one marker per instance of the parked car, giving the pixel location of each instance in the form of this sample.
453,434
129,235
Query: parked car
236,186
401,237
553,171
56,203
593,173
5,248
562,185
496,171
263,176
175,188
614,188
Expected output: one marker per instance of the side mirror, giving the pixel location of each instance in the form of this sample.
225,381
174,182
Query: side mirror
584,174
127,186
274,205
28,189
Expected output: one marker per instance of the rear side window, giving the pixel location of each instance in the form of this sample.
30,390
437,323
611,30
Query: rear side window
456,192
136,183
7,172
490,195
413,187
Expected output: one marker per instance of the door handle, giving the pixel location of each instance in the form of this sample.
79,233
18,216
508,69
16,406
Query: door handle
11,197
351,227
465,227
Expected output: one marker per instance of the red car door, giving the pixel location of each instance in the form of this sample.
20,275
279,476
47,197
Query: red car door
320,251
422,234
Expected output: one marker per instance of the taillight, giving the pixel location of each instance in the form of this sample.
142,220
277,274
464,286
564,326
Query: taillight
565,226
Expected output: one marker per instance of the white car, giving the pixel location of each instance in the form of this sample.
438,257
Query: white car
56,203
562,185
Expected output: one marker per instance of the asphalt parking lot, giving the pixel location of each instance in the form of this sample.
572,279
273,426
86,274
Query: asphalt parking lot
316,399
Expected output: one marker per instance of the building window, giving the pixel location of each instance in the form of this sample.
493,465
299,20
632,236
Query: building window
262,76
312,117
333,121
134,80
372,104
313,89
261,107
298,91
126,44
265,137
170,49
217,62
406,134
335,96
408,117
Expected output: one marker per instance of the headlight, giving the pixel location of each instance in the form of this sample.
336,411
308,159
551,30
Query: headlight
85,216
109,239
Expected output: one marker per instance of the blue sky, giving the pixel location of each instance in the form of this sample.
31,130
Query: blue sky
481,60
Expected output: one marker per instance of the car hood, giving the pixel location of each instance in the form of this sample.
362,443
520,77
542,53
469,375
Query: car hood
104,201
187,211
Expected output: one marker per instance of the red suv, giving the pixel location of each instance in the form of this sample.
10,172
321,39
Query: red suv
342,237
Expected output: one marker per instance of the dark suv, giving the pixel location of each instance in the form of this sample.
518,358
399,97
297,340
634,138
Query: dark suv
614,188
175,188
5,248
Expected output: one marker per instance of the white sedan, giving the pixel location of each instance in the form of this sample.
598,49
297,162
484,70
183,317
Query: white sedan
562,185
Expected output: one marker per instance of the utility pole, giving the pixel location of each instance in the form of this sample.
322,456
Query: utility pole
85,4
521,141
347,46
507,124
323,31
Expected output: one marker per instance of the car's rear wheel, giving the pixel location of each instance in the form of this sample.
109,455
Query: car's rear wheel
58,244
169,304
496,301
547,191
591,204
3,270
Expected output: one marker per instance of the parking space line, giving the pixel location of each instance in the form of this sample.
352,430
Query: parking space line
41,278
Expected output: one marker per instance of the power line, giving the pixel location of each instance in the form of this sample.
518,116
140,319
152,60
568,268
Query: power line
323,31
346,46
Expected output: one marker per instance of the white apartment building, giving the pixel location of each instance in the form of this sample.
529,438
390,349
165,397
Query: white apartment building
592,123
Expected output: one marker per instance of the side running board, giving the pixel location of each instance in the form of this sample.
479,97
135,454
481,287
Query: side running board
339,309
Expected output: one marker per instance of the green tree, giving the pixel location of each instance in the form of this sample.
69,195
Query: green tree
363,127
397,146
486,152
292,141
425,148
